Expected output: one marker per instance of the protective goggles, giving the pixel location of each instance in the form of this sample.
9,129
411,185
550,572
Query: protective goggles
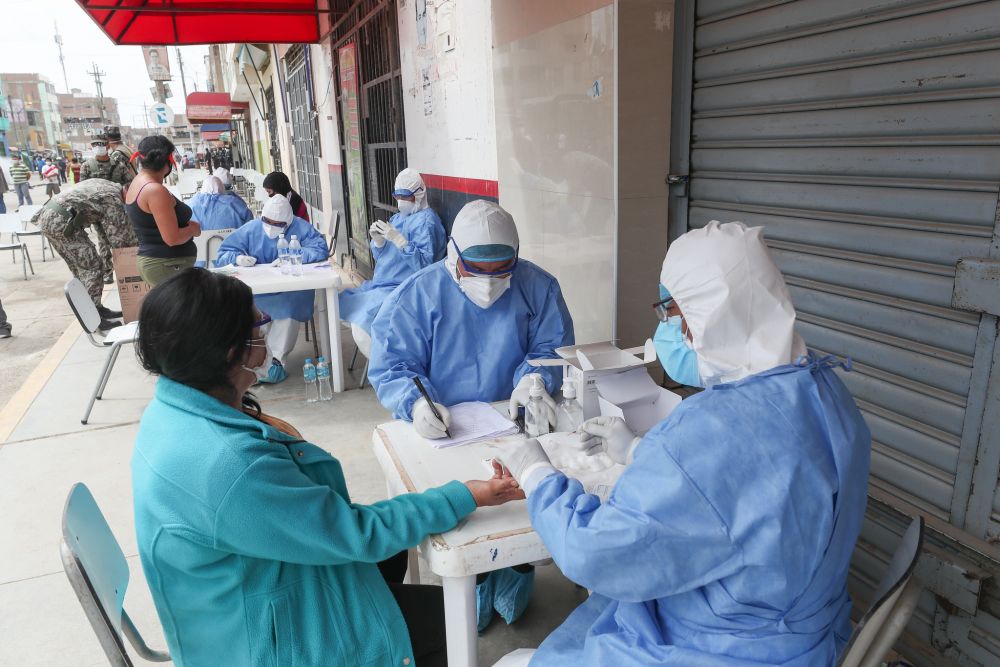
471,270
264,324
404,192
662,307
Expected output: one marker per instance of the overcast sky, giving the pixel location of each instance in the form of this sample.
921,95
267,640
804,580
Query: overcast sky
27,44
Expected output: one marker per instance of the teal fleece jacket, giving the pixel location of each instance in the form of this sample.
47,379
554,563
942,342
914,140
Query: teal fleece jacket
252,548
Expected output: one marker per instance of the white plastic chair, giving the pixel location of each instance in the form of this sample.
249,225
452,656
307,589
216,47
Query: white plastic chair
894,601
26,213
97,570
208,244
88,317
10,223
362,344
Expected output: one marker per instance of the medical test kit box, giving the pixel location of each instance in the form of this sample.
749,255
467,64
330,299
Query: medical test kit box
612,381
132,289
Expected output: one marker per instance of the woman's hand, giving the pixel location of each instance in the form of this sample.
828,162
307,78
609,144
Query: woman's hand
496,491
195,228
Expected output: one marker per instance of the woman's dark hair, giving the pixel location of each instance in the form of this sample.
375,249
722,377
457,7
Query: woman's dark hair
195,325
155,152
279,182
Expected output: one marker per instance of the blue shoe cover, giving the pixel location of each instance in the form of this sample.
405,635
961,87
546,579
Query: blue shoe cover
511,592
276,373
484,603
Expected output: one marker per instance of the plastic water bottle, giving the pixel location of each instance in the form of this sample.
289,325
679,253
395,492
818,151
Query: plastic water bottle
283,254
569,412
295,255
309,375
535,421
323,378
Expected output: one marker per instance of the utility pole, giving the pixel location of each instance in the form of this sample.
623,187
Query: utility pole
97,74
184,88
62,61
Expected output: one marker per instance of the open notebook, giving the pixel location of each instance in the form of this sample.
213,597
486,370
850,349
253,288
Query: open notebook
474,421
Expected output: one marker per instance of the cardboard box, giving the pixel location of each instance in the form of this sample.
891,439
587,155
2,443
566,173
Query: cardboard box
586,363
132,289
634,397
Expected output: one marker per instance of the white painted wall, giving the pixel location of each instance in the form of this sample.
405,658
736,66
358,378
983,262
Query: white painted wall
447,81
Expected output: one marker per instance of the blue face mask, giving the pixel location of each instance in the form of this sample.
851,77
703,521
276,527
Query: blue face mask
678,359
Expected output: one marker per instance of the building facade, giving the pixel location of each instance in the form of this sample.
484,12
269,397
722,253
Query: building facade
83,118
33,106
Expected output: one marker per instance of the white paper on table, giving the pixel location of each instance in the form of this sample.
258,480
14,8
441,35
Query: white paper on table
634,397
474,421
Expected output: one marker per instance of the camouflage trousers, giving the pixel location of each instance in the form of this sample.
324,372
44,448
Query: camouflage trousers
77,250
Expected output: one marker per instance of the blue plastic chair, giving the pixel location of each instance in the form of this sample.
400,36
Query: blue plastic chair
98,572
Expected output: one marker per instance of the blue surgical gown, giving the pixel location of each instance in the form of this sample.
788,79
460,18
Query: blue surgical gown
225,211
429,329
727,540
250,239
425,234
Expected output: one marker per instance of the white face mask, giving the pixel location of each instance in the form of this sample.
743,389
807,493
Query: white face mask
260,372
406,207
272,231
101,151
483,291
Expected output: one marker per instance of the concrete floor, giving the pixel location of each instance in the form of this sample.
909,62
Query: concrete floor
41,623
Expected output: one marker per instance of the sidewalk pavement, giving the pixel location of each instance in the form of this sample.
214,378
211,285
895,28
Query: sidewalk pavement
44,450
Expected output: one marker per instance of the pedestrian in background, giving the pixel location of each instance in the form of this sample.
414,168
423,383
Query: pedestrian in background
3,188
4,324
20,175
50,174
64,220
63,165
74,170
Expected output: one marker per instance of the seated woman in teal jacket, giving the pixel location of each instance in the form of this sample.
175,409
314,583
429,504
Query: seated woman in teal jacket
252,548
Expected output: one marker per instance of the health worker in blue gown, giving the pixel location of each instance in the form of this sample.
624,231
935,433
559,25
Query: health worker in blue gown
467,326
727,538
218,208
256,243
412,239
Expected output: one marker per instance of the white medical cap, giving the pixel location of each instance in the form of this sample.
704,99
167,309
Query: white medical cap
278,209
410,183
212,186
483,223
222,174
734,300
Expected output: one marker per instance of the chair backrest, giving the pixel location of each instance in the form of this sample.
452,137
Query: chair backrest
894,602
96,568
209,242
10,223
28,211
82,305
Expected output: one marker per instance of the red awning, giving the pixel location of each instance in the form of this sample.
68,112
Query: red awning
156,22
209,108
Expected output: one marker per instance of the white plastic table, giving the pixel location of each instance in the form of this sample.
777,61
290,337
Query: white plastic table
489,539
320,276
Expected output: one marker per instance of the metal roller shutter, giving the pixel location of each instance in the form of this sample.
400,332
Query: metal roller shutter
864,135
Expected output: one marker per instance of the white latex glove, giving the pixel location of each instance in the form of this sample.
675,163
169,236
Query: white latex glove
519,398
617,438
276,262
395,237
426,423
526,461
245,260
377,232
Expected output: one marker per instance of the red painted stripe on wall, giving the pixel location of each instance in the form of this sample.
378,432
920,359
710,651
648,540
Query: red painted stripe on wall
472,186
335,167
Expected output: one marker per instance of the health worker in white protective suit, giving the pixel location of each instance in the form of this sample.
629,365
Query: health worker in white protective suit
727,538
256,243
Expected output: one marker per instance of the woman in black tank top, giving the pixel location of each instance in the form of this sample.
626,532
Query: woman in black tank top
161,221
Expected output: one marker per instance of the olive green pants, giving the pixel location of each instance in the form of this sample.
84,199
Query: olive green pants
157,269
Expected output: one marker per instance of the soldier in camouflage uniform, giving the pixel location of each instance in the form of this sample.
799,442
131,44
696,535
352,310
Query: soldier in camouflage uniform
64,220
121,156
